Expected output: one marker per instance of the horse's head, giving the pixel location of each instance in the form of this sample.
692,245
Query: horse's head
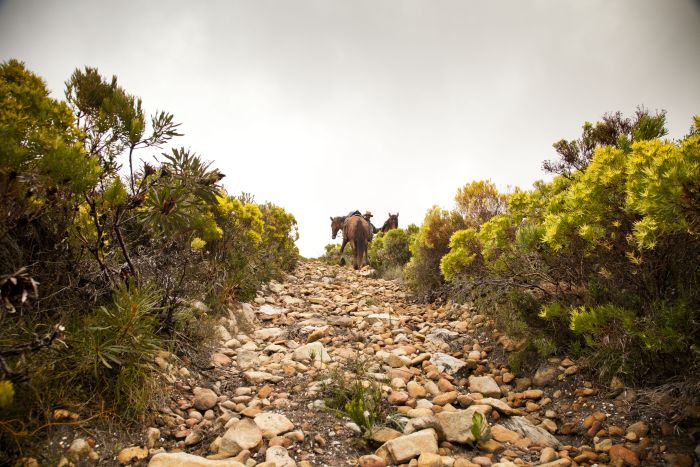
336,225
393,221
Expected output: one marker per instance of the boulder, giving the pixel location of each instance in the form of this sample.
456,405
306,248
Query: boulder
244,434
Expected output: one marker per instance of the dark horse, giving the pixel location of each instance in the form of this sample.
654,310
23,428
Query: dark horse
391,223
356,231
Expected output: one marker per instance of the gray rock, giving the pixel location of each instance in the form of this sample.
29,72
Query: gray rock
271,310
539,436
441,336
447,363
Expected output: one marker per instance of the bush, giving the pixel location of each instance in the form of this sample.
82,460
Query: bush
609,248
422,273
390,251
121,248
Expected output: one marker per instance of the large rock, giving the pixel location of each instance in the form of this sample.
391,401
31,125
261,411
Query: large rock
244,434
537,435
181,459
273,424
405,448
485,385
204,398
456,425
447,363
312,351
279,456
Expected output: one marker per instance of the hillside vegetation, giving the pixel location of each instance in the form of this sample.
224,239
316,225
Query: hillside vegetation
106,260
601,262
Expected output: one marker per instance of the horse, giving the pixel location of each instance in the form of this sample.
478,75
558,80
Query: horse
391,223
356,231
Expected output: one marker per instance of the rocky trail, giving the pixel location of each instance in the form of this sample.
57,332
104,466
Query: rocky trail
261,401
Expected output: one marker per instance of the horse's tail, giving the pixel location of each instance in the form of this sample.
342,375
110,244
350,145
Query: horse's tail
362,242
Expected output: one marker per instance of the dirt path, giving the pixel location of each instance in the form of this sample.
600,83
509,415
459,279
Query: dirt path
261,401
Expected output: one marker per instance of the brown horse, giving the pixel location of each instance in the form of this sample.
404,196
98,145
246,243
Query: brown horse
356,231
391,223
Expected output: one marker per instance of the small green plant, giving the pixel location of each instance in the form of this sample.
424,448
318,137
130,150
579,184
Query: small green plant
356,394
480,429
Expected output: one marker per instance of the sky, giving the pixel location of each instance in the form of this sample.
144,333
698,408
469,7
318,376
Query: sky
326,106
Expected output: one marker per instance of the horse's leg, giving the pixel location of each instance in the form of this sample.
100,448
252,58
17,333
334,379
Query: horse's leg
355,255
342,247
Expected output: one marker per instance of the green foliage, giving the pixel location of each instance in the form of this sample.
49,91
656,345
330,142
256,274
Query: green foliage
608,249
391,250
479,201
7,393
422,272
357,394
479,430
111,350
137,241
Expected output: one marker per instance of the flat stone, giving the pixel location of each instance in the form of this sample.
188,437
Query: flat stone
485,385
447,363
538,435
257,377
384,434
271,310
273,424
371,460
181,459
407,447
268,333
504,435
497,404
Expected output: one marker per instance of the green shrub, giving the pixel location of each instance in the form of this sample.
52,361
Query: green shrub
391,251
422,273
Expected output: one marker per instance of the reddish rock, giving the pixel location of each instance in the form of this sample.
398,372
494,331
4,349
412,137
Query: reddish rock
619,452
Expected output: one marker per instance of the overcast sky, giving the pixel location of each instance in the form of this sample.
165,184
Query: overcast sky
327,106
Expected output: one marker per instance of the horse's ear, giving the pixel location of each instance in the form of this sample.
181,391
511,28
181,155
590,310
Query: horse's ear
397,214
331,218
